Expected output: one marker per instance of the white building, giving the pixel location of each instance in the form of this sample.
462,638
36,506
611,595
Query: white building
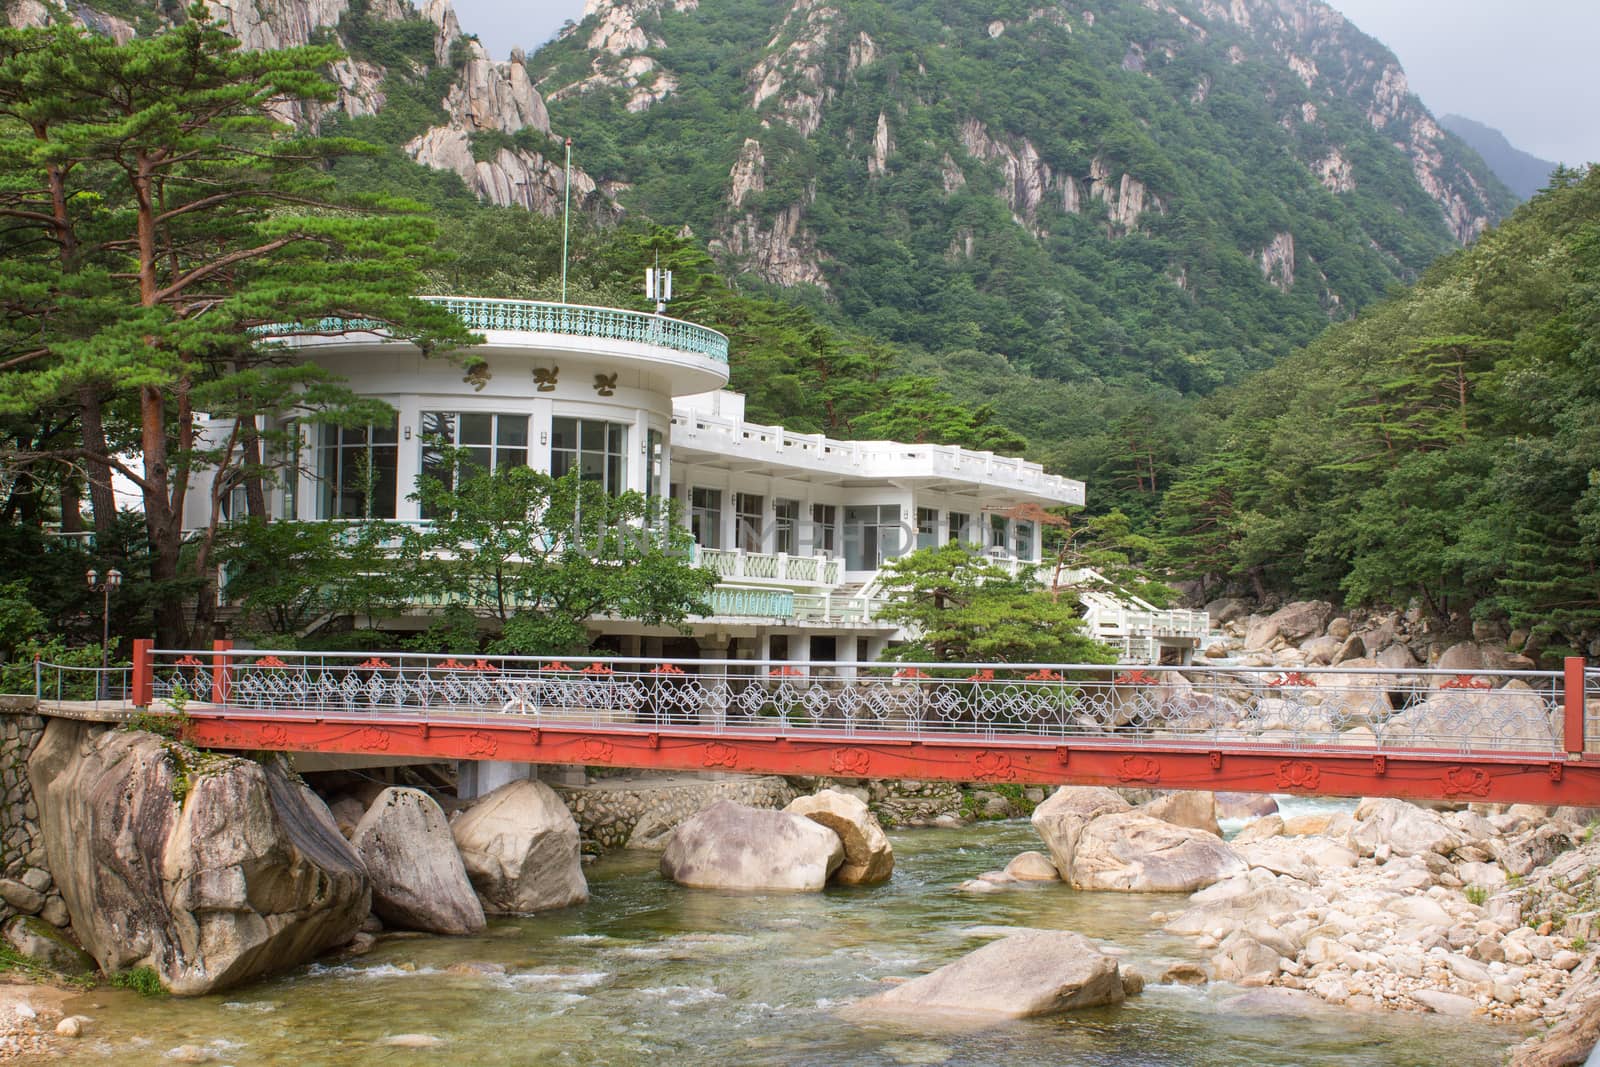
797,525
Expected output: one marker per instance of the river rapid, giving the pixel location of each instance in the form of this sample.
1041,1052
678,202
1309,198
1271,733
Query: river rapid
650,973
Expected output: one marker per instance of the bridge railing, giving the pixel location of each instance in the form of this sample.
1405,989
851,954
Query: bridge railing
1539,713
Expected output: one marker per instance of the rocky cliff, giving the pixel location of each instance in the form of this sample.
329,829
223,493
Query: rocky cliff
492,121
1254,151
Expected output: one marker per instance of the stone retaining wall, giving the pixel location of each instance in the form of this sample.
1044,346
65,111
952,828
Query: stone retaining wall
26,887
613,814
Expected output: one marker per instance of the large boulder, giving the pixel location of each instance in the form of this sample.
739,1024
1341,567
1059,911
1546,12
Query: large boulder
731,846
1292,622
1244,805
1037,972
1194,808
1062,817
244,876
1226,610
1403,828
1513,717
868,859
418,879
519,845
1135,853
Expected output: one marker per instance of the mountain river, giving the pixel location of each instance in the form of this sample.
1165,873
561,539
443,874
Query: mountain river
650,973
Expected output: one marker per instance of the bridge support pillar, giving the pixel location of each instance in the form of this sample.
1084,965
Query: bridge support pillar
476,778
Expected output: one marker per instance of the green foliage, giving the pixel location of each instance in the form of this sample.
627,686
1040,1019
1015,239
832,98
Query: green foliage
142,980
1475,894
541,555
287,576
1440,448
962,609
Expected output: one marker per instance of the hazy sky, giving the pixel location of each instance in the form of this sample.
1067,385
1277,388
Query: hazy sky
1525,69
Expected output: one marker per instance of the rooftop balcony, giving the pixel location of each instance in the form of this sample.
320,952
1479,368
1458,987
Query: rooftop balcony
699,436
692,358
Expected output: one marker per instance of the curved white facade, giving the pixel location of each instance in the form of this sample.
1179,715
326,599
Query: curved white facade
797,524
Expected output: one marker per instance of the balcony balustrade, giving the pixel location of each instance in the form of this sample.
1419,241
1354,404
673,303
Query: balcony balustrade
777,567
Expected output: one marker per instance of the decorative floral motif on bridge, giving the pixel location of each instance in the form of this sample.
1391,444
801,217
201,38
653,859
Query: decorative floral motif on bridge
994,765
555,665
720,755
1136,678
851,761
273,735
595,751
910,673
597,670
373,664
189,661
1138,769
1043,674
1467,681
786,672
1463,780
984,675
1293,680
666,668
482,745
372,739
271,662
1298,774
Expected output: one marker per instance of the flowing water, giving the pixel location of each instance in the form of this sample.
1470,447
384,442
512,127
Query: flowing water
650,973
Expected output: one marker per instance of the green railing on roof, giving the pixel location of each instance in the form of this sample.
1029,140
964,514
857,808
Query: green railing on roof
537,316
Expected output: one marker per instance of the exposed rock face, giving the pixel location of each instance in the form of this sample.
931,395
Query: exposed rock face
1027,181
47,946
1277,261
730,846
247,877
519,845
1291,622
1040,972
868,859
1060,820
1193,808
1135,853
418,880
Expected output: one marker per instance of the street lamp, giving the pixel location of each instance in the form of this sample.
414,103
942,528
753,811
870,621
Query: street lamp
113,581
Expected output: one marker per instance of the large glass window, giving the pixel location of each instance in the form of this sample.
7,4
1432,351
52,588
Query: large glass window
871,535
487,442
927,527
1022,540
750,515
997,532
705,516
653,460
960,528
597,450
357,467
786,526
825,529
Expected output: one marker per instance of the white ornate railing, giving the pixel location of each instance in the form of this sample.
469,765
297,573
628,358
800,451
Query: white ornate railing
1353,709
779,567
538,316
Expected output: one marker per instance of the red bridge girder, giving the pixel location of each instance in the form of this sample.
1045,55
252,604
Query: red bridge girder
1024,760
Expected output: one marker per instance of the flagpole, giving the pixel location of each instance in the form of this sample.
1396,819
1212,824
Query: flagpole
566,221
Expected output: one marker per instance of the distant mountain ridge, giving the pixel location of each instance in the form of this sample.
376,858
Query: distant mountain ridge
1522,172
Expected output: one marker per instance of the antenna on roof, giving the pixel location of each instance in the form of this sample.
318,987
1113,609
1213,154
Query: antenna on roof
658,285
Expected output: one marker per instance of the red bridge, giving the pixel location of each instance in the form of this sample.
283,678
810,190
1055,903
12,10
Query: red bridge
1522,736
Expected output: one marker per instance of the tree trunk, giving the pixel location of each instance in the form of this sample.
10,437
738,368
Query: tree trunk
102,499
71,518
255,494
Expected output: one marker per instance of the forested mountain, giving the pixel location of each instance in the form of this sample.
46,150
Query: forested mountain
1442,448
1080,233
1124,191
1523,172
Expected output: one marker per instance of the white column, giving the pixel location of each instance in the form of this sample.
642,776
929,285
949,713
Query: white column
408,458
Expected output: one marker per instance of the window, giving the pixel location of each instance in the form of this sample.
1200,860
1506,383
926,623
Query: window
705,516
997,532
357,467
652,463
786,526
1022,541
749,512
871,535
486,442
597,450
960,528
927,527
825,529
